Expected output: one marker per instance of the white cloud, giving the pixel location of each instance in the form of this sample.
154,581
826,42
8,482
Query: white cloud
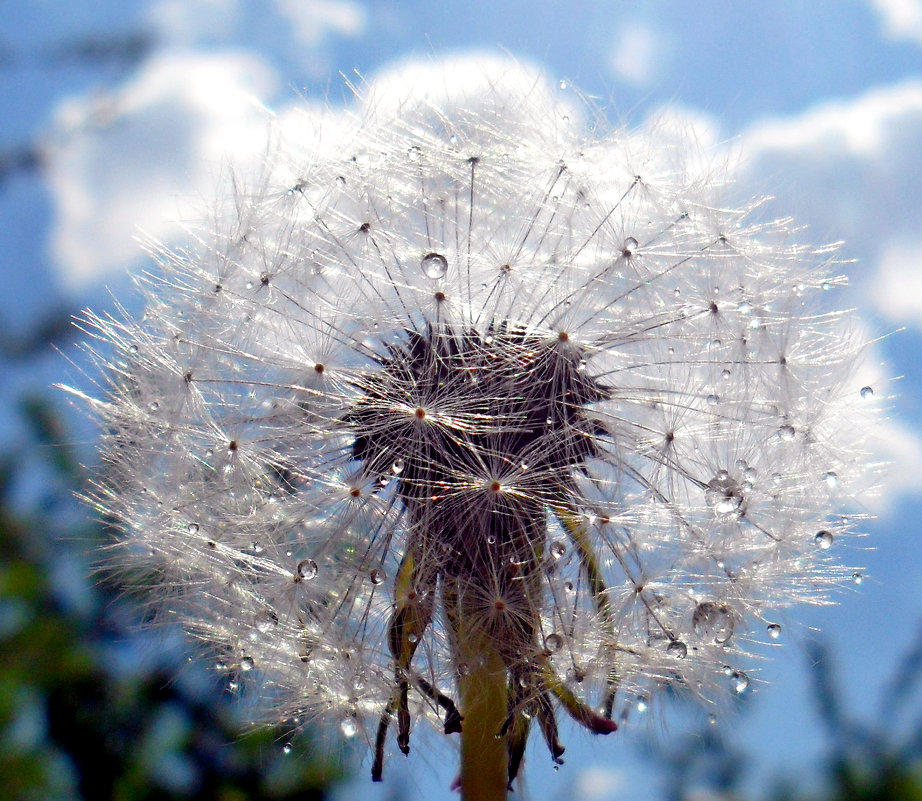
599,783
314,19
636,54
143,156
902,18
853,171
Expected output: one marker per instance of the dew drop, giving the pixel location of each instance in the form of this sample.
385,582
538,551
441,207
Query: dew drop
397,467
133,350
192,528
434,265
286,749
491,540
641,705
823,540
413,638
340,180
712,400
348,727
745,308
629,247
867,392
563,84
557,549
463,669
377,576
724,496
307,569
831,479
739,682
414,154
725,375
857,577
553,642
678,649
713,621
154,406
774,630
786,433
247,663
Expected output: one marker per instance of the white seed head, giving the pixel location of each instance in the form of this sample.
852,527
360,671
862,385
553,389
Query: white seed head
541,381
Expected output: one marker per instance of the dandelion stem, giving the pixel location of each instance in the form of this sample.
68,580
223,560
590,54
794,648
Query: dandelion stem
484,696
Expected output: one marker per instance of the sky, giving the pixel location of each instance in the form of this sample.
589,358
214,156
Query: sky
817,104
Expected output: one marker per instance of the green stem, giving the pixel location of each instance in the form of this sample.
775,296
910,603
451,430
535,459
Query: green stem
484,700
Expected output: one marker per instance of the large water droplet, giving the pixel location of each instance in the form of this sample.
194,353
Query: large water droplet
678,649
823,540
247,663
348,727
774,630
397,467
307,569
867,392
711,620
857,577
286,749
557,549
434,265
629,247
553,642
831,479
192,528
786,433
377,576
739,681
724,496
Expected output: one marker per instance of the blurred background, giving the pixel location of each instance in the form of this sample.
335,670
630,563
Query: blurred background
119,118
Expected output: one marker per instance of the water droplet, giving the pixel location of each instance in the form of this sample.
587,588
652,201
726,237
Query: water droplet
831,479
750,473
340,180
739,682
377,576
563,84
247,663
434,265
286,749
826,286
232,686
133,350
678,649
192,528
823,540
774,630
745,308
553,642
556,768
629,247
491,540
641,705
557,549
397,467
415,153
713,621
257,547
724,496
463,669
154,406
413,638
307,569
857,578
786,433
348,727
249,285
725,375
867,392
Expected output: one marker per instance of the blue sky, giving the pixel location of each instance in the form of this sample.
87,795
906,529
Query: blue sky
819,103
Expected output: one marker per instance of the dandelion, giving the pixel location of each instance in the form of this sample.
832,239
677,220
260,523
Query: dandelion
466,418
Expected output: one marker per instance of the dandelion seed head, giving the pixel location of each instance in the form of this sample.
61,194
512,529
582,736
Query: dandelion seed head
483,372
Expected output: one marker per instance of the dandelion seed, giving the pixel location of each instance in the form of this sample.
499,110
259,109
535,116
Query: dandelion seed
469,399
